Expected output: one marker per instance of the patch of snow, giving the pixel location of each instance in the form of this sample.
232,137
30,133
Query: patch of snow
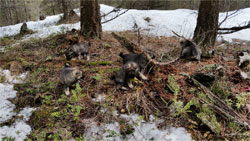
162,22
142,130
19,129
245,57
6,107
26,113
8,78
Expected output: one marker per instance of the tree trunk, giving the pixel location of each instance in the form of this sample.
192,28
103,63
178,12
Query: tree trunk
65,10
8,3
16,12
90,18
207,23
26,13
53,7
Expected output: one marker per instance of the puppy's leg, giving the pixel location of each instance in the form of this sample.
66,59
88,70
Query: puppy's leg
142,76
79,56
88,57
130,85
67,91
123,88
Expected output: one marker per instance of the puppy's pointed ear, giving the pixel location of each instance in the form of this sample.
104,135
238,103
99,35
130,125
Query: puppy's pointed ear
189,43
121,54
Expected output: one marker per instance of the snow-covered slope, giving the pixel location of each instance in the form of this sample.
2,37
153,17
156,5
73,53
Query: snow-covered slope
161,23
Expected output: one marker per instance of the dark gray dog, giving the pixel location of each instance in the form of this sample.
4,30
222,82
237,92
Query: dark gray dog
140,59
69,76
189,50
78,50
127,72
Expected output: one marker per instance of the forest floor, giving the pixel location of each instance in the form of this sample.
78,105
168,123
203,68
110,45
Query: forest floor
166,95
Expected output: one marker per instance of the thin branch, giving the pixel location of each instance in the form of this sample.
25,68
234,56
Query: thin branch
178,34
119,14
133,48
233,29
116,9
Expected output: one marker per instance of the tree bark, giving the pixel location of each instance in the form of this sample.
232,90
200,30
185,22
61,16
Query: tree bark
26,13
207,23
16,12
90,18
8,3
65,10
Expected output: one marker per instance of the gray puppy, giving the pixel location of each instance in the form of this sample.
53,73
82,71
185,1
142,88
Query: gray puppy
127,72
140,59
189,50
78,50
69,76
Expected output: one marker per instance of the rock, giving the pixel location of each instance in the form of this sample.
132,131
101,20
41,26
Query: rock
24,29
123,110
42,17
244,75
248,107
244,60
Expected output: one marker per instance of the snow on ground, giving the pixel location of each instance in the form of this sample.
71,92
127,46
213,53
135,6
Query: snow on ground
162,22
19,129
142,130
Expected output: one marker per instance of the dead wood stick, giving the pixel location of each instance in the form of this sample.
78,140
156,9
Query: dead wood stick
133,48
178,35
218,105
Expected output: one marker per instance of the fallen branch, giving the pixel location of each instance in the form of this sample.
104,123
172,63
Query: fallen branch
114,10
133,48
218,105
178,35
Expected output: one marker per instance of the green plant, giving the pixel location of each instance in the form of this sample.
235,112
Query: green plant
104,63
46,99
111,133
56,115
97,77
77,94
9,139
179,105
241,99
75,109
106,45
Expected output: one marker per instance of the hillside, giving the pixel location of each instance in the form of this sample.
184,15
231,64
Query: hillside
169,106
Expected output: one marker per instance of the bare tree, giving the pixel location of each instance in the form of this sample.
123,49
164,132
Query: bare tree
207,23
65,7
90,18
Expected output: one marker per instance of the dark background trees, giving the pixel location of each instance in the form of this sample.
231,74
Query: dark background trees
15,11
